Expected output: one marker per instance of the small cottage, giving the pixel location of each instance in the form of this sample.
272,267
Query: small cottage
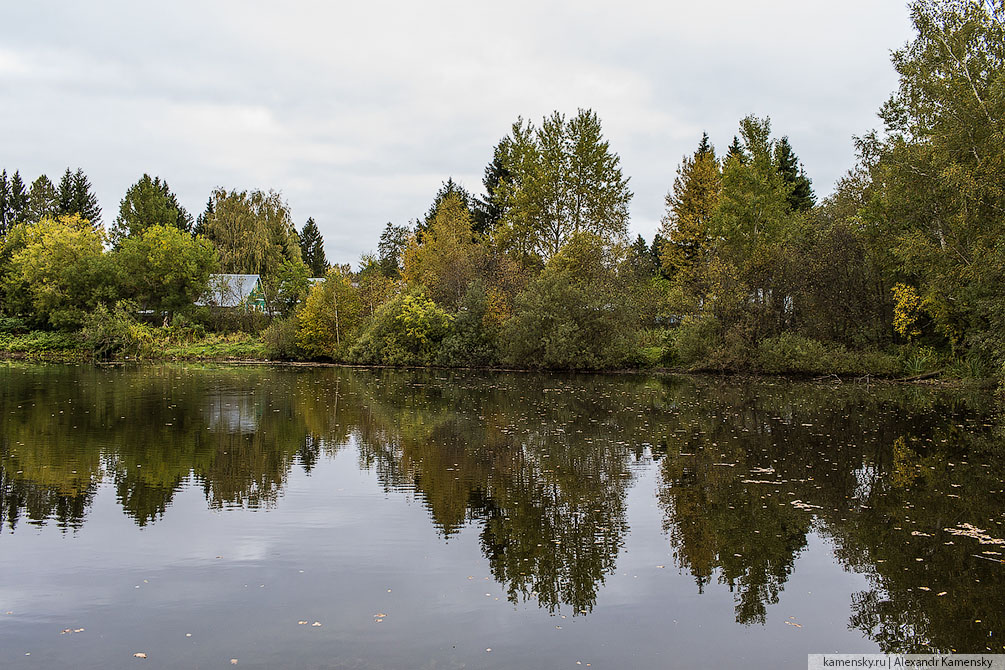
234,290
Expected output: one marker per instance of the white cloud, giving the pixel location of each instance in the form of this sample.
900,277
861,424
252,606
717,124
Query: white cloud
357,111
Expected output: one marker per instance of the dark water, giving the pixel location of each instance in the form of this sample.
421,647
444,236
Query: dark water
199,514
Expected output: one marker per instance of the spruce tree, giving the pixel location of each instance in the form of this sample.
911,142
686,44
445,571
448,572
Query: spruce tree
5,219
448,188
200,223
488,211
64,193
149,202
75,197
312,249
801,197
736,151
17,202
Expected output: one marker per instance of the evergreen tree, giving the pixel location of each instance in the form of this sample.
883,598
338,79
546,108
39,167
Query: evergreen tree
42,200
801,197
312,249
690,206
736,151
5,218
149,202
74,196
200,223
17,203
488,210
447,189
64,193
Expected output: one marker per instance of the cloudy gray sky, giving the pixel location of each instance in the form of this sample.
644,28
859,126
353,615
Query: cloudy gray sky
358,111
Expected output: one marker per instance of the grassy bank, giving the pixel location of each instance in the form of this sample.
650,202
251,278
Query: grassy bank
785,356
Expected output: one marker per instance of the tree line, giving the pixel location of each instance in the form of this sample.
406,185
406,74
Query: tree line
898,271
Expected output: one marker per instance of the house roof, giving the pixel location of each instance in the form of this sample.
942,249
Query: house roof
229,290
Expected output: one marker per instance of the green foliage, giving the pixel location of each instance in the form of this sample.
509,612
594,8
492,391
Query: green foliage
164,269
474,337
562,178
391,248
791,353
252,231
691,343
690,206
937,176
41,342
147,203
406,330
558,324
114,333
312,249
13,325
58,272
281,340
42,200
331,317
74,196
801,198
446,260
285,288
449,190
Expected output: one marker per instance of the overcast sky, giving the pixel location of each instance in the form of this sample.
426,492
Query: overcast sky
358,111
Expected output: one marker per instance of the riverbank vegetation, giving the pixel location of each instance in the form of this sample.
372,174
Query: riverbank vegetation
899,272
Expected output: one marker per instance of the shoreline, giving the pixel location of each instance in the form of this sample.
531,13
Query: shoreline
931,379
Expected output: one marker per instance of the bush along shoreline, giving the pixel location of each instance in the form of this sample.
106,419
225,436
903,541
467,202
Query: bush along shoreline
119,338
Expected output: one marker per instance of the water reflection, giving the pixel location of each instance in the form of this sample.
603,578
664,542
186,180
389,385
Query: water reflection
542,466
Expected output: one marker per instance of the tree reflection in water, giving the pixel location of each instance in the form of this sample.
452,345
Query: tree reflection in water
542,465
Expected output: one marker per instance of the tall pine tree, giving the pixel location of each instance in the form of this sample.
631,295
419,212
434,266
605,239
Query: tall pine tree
149,202
5,218
488,211
17,203
801,197
200,222
312,249
75,196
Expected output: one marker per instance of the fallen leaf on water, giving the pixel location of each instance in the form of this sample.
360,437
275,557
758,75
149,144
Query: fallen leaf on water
797,625
233,661
924,588
78,630
942,594
140,654
301,623
316,623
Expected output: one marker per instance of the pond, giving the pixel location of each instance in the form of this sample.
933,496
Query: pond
287,517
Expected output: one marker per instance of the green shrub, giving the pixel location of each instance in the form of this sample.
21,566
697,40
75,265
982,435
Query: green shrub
473,337
692,341
280,340
116,332
406,330
794,354
560,323
13,325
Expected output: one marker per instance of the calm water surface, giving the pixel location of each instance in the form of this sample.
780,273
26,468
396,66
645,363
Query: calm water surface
335,518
